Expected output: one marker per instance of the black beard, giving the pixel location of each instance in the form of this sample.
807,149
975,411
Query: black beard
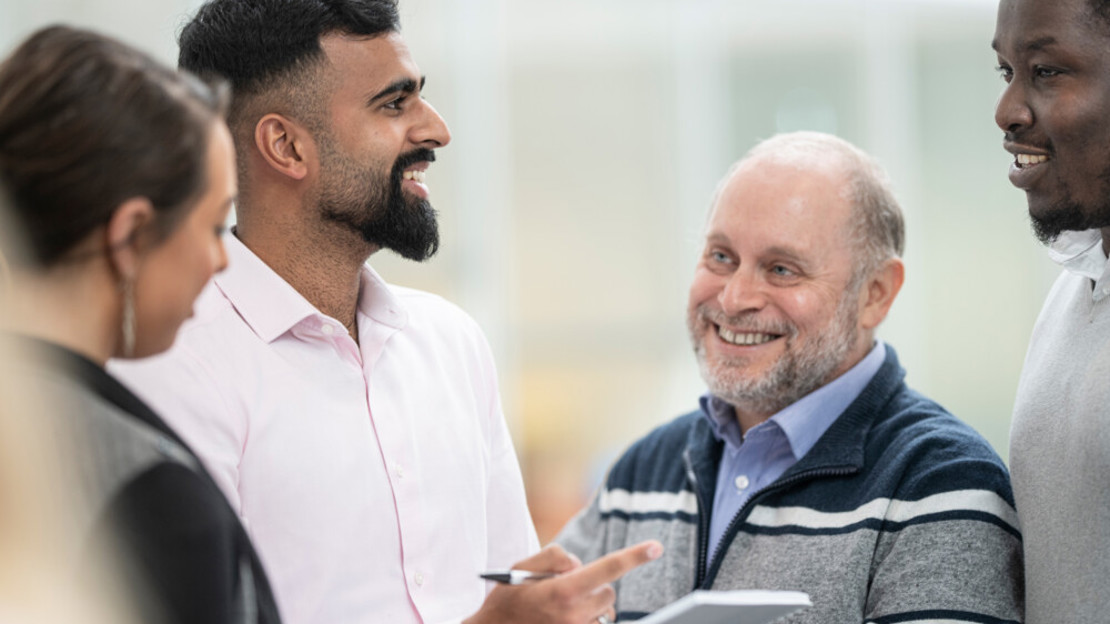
1066,215
1069,215
381,213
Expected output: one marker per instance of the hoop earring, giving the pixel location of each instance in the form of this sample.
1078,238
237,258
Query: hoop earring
127,288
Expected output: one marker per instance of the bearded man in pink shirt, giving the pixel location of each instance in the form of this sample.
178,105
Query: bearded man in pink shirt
355,426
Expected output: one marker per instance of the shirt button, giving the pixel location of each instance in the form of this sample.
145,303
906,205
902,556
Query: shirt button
418,578
327,329
398,471
742,483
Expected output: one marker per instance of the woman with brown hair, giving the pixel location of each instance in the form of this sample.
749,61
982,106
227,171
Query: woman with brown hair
121,174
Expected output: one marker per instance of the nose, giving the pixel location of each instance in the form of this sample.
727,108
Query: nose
1012,112
219,256
743,292
431,131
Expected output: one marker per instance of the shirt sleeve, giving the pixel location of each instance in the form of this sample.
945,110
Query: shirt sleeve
511,533
190,398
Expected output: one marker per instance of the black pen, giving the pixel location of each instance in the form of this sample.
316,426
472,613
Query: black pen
515,577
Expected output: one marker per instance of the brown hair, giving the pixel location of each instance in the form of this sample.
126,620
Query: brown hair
87,123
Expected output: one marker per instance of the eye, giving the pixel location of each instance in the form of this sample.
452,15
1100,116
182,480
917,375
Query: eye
1005,72
719,261
719,257
781,270
1041,71
396,104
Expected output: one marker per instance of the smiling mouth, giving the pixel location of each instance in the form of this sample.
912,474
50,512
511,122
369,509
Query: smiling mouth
416,176
745,338
1021,161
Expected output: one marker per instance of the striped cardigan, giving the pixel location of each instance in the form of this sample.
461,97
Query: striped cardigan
899,513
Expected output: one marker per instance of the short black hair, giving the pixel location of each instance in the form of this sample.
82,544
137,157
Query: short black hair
249,43
1101,10
269,51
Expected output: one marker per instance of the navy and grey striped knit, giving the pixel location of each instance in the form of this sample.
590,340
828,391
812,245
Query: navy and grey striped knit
899,513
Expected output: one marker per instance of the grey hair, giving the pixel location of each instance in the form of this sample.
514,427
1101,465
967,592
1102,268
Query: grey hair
878,229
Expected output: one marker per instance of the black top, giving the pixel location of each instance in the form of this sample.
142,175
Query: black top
181,540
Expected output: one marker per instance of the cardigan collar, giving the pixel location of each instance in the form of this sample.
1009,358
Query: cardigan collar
841,447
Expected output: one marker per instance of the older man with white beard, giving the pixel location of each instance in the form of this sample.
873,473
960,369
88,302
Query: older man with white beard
810,466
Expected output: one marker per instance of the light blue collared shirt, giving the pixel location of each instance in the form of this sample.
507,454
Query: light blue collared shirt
754,461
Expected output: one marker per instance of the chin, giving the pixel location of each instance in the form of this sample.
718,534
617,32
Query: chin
152,347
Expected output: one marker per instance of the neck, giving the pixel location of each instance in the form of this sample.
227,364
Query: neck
77,308
321,261
747,419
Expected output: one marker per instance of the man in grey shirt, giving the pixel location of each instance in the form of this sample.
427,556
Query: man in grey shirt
1055,115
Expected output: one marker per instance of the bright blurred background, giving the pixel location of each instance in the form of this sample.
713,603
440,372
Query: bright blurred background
588,136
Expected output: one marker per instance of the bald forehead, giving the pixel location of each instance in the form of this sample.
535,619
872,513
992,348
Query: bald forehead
794,175
798,203
806,158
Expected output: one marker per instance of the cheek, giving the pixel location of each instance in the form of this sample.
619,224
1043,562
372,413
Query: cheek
178,274
1093,137
1072,120
217,257
807,309
704,289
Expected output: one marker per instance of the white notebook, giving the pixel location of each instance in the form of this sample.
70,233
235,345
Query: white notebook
729,607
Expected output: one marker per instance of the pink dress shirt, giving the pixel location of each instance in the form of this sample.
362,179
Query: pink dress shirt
375,479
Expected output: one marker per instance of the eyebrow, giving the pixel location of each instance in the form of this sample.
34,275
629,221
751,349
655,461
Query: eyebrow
718,238
403,85
1031,46
790,254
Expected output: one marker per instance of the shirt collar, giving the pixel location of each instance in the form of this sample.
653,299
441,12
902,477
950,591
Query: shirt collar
1080,252
377,300
271,307
806,420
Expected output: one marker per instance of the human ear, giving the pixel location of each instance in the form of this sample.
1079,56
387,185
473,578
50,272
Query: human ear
123,232
284,145
879,291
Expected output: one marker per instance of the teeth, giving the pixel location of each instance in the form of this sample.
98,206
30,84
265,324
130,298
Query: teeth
1030,159
417,176
743,338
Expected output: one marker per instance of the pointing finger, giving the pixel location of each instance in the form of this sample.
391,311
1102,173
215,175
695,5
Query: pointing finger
613,566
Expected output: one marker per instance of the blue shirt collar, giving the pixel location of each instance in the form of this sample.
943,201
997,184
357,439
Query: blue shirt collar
805,421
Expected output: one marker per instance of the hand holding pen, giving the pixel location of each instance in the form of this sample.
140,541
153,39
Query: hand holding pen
570,593
516,577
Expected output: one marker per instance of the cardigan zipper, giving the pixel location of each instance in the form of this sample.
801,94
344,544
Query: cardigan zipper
703,519
727,536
